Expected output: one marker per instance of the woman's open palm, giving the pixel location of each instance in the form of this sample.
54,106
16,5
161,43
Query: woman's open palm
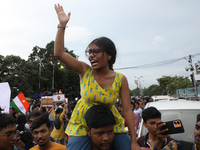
62,17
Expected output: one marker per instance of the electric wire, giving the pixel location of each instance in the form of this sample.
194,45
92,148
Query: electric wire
158,63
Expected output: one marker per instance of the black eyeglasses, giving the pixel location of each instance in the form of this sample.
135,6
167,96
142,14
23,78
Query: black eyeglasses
95,52
10,134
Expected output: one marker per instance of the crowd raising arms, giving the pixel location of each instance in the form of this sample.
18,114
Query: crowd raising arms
101,64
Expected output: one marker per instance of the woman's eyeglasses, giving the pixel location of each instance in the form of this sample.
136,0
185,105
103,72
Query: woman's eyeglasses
95,52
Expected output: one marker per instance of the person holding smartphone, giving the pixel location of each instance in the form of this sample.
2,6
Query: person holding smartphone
177,144
150,116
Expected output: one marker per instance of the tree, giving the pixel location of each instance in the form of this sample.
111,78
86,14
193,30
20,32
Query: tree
38,73
14,70
52,70
153,90
169,85
135,92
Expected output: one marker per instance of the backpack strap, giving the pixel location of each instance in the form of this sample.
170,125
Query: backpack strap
184,145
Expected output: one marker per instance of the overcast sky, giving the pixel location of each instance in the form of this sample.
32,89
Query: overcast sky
144,31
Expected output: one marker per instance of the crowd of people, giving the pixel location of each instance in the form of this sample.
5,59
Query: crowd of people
35,131
27,127
100,116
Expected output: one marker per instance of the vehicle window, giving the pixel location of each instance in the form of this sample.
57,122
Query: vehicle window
188,118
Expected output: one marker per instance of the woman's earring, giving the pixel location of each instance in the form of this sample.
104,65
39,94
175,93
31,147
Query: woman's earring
109,59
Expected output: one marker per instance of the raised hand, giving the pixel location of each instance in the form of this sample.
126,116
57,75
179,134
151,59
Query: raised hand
62,17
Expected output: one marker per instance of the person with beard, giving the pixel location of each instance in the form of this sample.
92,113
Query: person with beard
176,144
100,127
41,131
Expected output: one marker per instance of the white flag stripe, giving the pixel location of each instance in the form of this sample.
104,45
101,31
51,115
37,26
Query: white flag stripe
19,104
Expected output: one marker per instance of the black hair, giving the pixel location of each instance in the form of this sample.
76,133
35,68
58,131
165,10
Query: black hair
150,113
99,116
108,46
132,103
43,110
137,102
43,119
198,117
59,110
35,114
5,120
21,121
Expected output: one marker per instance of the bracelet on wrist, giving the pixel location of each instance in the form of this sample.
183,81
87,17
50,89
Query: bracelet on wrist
62,28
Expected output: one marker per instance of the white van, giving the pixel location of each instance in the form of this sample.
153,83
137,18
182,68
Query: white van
184,110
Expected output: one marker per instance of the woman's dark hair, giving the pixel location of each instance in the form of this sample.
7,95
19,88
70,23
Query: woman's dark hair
108,46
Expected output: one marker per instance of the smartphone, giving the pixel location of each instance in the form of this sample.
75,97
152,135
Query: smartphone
174,127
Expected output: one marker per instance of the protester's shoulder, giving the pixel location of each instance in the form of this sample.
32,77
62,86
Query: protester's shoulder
174,143
58,146
34,148
119,75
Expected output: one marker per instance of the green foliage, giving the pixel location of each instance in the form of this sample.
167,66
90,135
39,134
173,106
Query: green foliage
135,92
25,76
13,71
153,90
167,86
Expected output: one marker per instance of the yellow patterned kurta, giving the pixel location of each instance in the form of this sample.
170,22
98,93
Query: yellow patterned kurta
93,94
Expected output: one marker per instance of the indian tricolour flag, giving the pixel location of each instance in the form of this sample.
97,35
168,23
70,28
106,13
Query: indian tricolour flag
20,103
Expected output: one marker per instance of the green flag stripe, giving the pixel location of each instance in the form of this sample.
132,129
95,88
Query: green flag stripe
15,106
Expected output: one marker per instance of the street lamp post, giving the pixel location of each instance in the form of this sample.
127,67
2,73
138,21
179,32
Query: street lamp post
191,68
53,75
40,64
139,85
